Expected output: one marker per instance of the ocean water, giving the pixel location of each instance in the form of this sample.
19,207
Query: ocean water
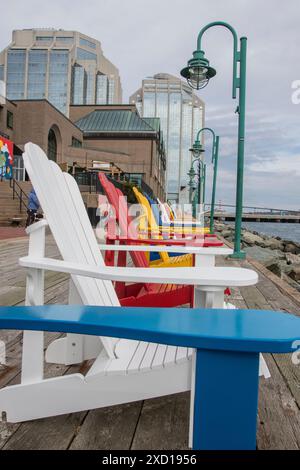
276,229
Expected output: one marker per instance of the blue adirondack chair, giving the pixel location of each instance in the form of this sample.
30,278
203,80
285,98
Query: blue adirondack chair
227,346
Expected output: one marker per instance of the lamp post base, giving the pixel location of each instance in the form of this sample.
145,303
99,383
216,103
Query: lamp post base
238,255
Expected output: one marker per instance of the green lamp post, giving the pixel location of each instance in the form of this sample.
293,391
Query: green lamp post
198,197
196,149
198,73
201,181
192,186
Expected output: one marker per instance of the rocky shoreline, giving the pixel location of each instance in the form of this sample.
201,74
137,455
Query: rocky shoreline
280,256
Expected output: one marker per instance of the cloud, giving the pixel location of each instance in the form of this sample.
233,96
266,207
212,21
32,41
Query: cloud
281,165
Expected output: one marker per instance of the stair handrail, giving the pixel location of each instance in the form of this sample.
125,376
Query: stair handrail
21,195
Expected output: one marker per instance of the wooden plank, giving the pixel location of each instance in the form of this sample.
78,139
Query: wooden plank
12,377
254,298
278,413
291,373
163,424
108,428
45,434
283,286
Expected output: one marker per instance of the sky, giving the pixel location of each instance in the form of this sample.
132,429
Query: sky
145,37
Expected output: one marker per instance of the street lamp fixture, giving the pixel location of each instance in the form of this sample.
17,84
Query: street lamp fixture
198,73
197,149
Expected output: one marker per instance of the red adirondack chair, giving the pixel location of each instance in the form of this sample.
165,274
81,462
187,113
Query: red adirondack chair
141,294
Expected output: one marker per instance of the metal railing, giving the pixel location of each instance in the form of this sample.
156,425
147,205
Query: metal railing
91,180
87,179
18,193
257,210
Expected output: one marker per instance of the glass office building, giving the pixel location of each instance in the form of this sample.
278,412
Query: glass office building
64,67
181,115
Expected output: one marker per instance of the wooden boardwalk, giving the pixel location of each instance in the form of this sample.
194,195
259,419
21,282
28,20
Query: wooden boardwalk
160,423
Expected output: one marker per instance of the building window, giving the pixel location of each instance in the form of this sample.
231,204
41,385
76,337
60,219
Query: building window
37,71
87,43
79,84
16,60
90,84
58,79
65,39
1,72
111,90
10,120
76,142
44,39
134,178
85,55
149,104
52,146
101,89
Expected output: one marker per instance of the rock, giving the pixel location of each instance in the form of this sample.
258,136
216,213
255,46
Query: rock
252,239
275,268
290,281
295,272
219,226
264,255
226,233
278,267
291,247
273,244
292,259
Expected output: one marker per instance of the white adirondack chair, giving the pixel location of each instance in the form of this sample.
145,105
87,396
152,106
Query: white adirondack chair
124,370
179,222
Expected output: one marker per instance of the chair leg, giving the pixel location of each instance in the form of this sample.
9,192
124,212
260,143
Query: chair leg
208,298
226,396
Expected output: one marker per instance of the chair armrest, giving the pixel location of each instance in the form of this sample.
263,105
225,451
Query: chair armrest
196,250
167,242
208,276
36,226
218,329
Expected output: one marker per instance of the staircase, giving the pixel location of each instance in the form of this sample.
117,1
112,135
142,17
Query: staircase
9,207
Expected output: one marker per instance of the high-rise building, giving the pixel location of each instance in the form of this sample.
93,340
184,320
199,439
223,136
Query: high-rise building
65,67
181,114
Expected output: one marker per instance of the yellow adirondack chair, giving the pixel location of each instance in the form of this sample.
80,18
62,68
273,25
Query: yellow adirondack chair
154,228
164,260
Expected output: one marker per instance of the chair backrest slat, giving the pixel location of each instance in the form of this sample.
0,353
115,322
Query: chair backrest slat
62,204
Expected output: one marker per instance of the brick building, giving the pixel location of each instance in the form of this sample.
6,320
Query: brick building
93,134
